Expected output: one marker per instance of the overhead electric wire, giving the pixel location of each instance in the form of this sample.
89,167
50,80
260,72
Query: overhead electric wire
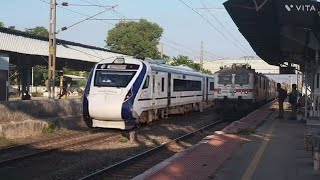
222,25
118,14
197,57
76,12
112,19
136,19
214,55
65,28
212,26
92,5
99,4
88,18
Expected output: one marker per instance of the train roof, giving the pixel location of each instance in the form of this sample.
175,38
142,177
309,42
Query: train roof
231,70
178,69
158,65
239,70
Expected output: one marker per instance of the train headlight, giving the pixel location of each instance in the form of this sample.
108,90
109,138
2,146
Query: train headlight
119,60
103,66
128,96
246,92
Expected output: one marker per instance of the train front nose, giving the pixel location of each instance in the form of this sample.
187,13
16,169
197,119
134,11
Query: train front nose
105,107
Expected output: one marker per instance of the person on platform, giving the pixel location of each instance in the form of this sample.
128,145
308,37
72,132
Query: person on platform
293,100
26,96
282,95
64,94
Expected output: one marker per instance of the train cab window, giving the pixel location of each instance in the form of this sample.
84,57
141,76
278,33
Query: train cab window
241,79
211,86
146,83
162,84
225,79
117,79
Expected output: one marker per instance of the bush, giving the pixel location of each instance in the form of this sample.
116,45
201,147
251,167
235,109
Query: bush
50,128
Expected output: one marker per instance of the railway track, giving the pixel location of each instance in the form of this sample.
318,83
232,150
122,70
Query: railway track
18,153
76,159
139,163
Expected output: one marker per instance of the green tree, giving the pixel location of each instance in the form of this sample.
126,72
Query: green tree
12,27
40,74
39,31
207,71
1,24
135,38
184,60
14,74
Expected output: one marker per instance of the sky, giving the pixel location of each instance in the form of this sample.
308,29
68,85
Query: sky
184,29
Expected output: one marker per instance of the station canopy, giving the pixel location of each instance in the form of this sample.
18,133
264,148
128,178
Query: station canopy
24,48
74,77
279,30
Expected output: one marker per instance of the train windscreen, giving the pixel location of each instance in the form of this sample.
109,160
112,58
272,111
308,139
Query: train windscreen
113,78
225,79
241,78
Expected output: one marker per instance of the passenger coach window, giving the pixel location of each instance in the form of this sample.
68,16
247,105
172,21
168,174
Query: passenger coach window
162,84
112,78
186,85
225,79
260,81
211,86
146,83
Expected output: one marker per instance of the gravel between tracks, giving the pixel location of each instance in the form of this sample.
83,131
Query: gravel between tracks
75,162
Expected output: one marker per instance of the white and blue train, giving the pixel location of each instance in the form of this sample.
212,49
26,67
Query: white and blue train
123,92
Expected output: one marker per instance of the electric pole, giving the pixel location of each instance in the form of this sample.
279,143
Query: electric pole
161,50
201,57
52,50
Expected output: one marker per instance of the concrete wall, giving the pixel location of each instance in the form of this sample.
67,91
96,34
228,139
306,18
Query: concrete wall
4,76
25,118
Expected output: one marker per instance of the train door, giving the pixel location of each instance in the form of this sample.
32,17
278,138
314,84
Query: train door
169,90
206,89
153,89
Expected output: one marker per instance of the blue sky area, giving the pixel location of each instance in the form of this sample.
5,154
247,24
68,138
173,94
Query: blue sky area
180,23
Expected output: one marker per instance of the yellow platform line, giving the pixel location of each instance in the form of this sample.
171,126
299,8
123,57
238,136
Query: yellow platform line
255,161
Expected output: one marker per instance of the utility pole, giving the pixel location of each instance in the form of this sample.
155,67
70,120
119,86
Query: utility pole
161,50
31,80
201,57
52,49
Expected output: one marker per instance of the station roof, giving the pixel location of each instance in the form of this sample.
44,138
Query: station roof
24,43
279,30
74,77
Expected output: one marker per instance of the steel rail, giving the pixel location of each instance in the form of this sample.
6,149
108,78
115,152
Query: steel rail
8,161
136,157
53,140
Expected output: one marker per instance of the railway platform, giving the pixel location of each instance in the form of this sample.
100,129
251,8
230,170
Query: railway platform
258,146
